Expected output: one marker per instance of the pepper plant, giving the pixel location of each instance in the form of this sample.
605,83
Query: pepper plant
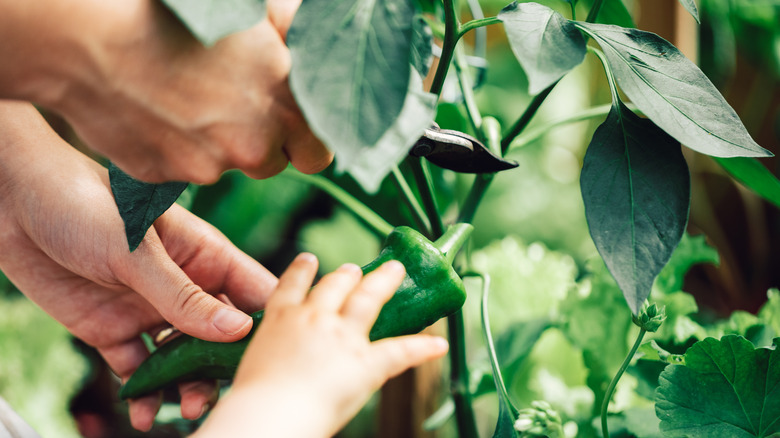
358,74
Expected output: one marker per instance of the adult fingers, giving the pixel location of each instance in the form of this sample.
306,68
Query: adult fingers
295,282
377,287
154,275
212,261
143,410
306,152
331,291
281,13
197,398
392,356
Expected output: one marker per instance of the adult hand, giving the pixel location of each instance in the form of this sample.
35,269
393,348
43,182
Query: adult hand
64,246
310,366
138,88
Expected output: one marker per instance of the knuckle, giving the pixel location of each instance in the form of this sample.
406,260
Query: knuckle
190,302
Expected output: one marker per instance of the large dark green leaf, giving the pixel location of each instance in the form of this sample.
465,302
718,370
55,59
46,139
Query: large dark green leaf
140,203
351,68
753,175
210,20
727,388
545,43
636,190
673,92
690,6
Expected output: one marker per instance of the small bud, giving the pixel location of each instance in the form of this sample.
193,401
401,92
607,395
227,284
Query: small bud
650,317
540,420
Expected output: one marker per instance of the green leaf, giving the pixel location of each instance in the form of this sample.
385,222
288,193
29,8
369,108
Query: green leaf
210,20
369,165
422,46
692,250
727,388
514,345
545,43
505,426
753,175
770,311
690,6
613,12
350,68
140,203
673,92
636,191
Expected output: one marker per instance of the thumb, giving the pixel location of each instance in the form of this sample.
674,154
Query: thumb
281,14
395,355
155,276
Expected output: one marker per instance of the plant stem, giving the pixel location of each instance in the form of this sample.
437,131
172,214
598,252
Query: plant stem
476,193
497,377
452,240
411,201
448,46
608,72
614,382
464,79
425,187
459,377
594,11
590,113
474,24
359,209
524,119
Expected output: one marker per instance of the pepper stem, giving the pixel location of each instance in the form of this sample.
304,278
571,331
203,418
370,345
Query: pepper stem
454,238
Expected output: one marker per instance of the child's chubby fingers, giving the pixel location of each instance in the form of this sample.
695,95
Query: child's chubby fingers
331,291
392,356
364,303
295,282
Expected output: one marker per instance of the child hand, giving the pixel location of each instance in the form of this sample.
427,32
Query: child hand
310,367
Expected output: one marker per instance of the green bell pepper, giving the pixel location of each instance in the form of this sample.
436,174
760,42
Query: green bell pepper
430,291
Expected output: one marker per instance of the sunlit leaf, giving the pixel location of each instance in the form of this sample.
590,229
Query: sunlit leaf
753,175
690,6
545,43
727,388
140,203
350,68
673,92
210,20
636,190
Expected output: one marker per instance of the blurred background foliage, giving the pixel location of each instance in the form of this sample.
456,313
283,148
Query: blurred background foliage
560,323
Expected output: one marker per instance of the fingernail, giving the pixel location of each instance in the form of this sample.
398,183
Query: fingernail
306,257
441,343
349,267
230,321
203,410
394,265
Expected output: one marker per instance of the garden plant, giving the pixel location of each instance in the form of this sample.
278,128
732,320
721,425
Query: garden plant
372,77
